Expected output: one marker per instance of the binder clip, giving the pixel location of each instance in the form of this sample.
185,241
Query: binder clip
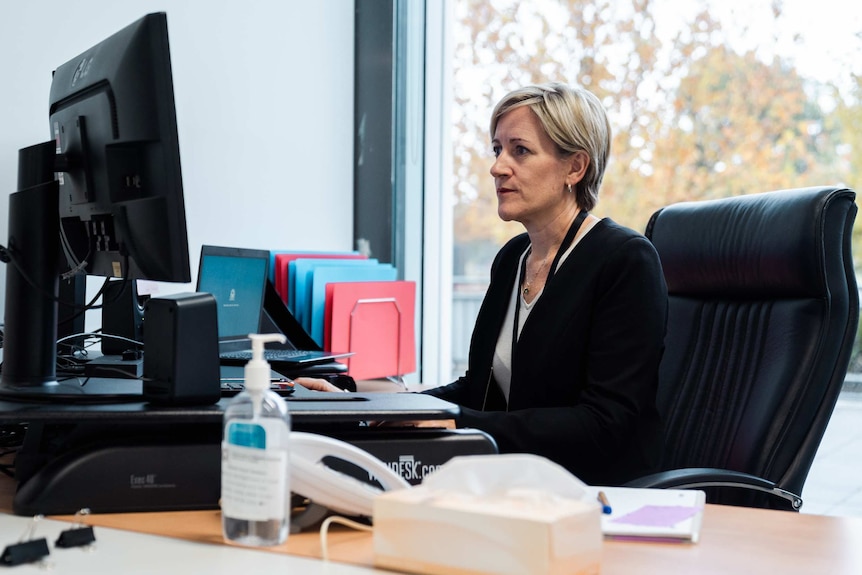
79,536
26,550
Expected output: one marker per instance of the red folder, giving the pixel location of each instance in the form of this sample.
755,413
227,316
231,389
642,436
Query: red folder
282,261
375,321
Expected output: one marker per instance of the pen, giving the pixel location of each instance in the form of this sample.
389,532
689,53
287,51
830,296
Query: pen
606,506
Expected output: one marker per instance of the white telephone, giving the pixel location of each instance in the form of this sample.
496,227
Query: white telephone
337,491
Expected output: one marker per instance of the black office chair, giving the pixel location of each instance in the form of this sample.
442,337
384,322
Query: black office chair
763,311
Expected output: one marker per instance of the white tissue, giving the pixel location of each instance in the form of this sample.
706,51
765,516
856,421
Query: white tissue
500,514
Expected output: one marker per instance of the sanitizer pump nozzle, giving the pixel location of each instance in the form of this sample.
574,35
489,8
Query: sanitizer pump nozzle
257,370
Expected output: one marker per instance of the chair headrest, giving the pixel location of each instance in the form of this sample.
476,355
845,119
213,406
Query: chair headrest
748,246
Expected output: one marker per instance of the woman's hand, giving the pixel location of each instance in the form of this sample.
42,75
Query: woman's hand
435,423
317,384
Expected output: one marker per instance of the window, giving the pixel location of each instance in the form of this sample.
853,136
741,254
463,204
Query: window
707,98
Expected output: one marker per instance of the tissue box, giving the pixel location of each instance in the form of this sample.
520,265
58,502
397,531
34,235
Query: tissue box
429,529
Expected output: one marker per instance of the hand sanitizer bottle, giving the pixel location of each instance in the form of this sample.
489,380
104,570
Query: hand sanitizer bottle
255,479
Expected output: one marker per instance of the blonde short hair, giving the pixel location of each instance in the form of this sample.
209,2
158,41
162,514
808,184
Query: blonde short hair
575,120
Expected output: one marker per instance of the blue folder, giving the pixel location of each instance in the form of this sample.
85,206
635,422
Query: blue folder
311,254
291,272
300,271
333,274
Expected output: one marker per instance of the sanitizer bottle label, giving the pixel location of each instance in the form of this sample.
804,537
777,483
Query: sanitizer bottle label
254,481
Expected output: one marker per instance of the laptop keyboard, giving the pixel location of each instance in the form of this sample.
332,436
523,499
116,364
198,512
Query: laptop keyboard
268,354
229,388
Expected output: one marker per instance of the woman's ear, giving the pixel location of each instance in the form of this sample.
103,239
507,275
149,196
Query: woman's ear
579,162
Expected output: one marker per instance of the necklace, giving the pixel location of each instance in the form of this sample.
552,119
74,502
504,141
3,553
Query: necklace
529,281
567,241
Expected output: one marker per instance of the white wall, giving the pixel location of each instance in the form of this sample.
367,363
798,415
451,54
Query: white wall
264,98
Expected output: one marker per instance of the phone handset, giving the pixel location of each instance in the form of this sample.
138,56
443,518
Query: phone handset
339,492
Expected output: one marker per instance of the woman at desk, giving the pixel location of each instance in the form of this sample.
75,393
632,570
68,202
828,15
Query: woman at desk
565,351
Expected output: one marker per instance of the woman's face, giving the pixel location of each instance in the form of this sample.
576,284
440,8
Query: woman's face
529,174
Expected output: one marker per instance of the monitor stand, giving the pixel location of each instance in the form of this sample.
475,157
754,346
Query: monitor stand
29,370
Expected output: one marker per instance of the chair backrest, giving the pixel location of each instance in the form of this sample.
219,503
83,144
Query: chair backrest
763,311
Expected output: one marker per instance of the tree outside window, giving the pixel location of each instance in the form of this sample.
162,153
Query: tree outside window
707,99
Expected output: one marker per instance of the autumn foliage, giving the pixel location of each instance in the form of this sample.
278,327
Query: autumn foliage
695,116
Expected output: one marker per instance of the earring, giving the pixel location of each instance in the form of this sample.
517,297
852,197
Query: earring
570,188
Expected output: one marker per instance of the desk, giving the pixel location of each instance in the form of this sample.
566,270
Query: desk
733,540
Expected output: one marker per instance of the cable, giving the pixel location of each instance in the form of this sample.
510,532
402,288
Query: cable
71,256
78,348
100,336
324,528
6,256
92,304
72,364
76,352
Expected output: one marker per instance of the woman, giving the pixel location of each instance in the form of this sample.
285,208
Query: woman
565,352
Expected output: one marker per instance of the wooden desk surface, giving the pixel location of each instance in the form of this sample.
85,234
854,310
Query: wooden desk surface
733,540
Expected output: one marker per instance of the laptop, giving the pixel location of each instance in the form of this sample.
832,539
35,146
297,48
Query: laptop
238,278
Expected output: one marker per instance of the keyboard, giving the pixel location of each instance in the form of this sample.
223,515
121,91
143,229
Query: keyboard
231,387
271,355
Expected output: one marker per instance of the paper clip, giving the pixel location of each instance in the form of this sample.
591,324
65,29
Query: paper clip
26,551
78,536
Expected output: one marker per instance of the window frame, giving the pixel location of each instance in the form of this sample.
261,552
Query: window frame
401,131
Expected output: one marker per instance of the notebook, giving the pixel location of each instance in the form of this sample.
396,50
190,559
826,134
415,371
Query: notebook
238,278
653,514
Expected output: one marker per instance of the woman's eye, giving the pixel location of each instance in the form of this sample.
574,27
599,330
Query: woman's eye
496,151
521,150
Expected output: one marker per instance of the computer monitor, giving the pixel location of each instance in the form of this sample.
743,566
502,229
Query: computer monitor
104,197
112,116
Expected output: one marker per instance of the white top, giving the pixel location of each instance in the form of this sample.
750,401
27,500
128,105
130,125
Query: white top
502,364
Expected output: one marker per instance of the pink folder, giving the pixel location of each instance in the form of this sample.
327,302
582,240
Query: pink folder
376,321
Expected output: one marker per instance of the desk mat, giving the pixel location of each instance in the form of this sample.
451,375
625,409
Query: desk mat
306,407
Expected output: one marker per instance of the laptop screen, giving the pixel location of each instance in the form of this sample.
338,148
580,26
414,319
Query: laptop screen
237,279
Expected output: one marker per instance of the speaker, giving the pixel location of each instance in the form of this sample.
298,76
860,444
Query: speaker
181,363
122,316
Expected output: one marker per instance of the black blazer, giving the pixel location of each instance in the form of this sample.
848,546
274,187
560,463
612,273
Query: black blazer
585,370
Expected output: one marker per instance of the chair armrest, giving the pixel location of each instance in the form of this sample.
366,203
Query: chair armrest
697,477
